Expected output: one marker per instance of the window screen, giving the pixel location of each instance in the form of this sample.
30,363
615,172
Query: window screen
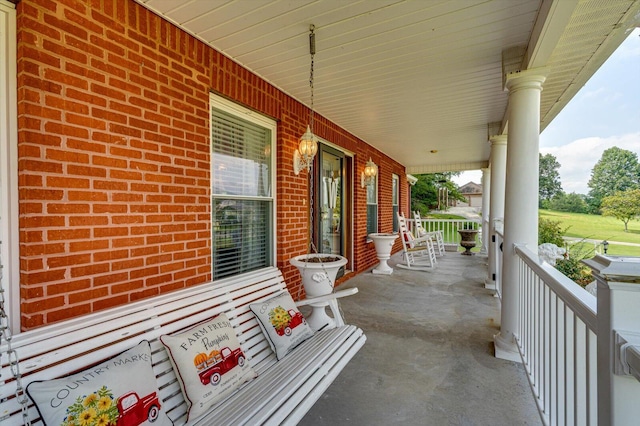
242,202
372,206
395,200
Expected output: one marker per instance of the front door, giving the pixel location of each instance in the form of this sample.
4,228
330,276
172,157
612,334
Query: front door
330,190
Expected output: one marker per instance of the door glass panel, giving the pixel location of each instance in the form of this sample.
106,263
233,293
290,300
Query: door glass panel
331,190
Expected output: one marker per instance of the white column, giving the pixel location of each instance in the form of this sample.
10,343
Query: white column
498,162
486,229
618,335
521,197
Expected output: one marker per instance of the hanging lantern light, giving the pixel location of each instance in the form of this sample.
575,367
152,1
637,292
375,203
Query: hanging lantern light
308,145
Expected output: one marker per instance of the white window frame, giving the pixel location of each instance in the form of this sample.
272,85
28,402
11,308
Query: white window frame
395,201
9,228
374,185
233,108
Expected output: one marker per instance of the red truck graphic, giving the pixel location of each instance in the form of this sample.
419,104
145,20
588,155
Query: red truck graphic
223,362
296,320
133,410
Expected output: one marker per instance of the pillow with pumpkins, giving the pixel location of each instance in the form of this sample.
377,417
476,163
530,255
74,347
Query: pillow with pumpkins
282,323
121,390
208,362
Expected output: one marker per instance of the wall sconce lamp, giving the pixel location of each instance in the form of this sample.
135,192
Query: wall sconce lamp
370,172
307,149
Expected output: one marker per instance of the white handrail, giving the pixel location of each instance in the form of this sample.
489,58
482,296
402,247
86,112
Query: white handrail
557,340
581,301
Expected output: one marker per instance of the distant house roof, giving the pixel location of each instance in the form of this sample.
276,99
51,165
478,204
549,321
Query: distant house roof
470,188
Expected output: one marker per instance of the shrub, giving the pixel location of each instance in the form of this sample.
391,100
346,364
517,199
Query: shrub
572,266
549,231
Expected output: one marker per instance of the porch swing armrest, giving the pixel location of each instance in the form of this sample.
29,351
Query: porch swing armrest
328,297
332,300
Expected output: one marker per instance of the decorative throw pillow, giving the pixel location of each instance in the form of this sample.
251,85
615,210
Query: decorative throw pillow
282,323
122,390
208,362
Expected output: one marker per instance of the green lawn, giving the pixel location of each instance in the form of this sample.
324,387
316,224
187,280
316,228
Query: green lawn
443,216
598,228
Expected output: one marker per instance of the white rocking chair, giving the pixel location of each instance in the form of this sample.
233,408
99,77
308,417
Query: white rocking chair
437,236
419,253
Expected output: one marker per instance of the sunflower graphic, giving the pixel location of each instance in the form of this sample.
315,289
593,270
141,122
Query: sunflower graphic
88,416
104,403
279,317
95,409
103,420
90,399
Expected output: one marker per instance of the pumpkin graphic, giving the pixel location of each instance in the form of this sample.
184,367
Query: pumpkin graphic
213,357
200,360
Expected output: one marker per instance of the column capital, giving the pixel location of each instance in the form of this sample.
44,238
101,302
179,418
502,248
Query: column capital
498,140
526,79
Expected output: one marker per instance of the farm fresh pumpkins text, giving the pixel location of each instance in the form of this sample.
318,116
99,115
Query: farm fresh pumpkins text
201,335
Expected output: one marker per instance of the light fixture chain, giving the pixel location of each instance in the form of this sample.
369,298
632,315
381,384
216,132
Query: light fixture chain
12,356
312,51
311,198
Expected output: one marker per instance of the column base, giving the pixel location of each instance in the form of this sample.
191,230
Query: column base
506,349
490,284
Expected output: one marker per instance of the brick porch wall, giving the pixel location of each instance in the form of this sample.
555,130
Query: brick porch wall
114,172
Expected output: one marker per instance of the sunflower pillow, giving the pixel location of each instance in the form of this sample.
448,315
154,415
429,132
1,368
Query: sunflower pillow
121,390
282,323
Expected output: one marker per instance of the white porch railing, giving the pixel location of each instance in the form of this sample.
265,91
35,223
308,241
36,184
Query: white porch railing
557,342
565,345
449,228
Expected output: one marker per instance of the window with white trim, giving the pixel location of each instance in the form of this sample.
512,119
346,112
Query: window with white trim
372,205
395,199
9,245
242,179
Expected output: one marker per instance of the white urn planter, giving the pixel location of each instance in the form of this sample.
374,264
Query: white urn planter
318,279
383,243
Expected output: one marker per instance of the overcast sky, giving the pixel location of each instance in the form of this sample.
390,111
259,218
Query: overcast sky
605,113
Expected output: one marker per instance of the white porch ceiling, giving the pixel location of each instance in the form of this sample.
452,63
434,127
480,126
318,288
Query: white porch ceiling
412,76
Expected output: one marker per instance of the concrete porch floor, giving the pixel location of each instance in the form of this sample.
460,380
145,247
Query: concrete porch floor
428,359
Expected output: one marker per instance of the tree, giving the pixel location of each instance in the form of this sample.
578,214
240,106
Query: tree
548,178
617,170
572,202
623,205
424,194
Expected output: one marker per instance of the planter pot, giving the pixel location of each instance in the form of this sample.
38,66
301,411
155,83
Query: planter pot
467,240
318,279
383,243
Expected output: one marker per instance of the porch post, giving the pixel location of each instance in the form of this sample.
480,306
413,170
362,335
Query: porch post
486,229
521,197
618,338
498,161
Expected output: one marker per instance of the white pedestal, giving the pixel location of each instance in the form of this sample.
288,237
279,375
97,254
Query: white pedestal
383,244
318,279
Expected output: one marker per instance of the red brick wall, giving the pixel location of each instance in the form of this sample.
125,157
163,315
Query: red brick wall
114,158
